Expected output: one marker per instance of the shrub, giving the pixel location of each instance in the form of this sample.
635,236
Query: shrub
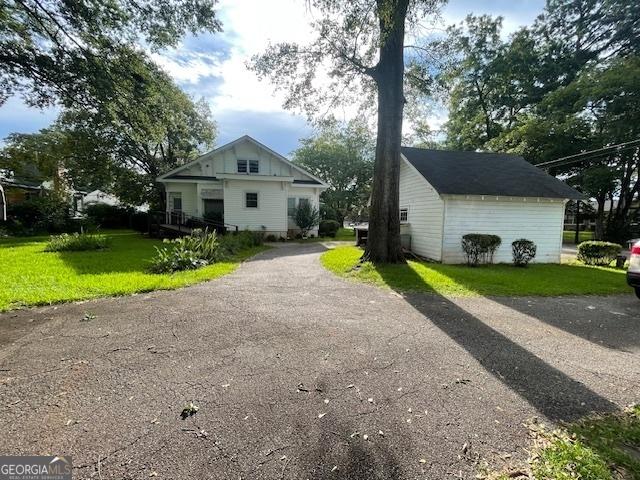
479,247
598,253
76,242
108,216
46,214
523,252
201,248
188,252
271,238
328,228
306,217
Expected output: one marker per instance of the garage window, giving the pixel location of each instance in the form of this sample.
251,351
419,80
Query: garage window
251,200
404,215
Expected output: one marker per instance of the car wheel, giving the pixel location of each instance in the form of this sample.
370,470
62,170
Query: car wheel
637,289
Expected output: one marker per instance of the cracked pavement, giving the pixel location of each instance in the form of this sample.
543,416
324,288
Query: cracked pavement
292,367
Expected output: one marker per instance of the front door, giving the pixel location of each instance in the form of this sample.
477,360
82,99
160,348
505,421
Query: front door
214,209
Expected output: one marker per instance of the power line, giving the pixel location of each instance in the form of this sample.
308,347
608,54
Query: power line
591,154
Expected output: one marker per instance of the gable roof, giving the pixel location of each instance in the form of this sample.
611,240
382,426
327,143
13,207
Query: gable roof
495,174
245,138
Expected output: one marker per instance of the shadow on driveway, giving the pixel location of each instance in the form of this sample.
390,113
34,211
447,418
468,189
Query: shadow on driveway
547,389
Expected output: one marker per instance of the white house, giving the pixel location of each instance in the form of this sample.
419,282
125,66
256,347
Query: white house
445,195
245,184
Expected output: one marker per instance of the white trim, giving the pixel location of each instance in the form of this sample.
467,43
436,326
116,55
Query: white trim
246,176
229,146
244,200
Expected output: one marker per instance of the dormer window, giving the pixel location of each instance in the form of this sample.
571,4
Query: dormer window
248,166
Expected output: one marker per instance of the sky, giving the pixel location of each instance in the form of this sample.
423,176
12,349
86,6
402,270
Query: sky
213,66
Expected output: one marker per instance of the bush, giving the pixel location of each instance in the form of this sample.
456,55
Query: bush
77,242
479,248
108,216
328,228
306,217
598,253
523,252
201,248
46,214
187,253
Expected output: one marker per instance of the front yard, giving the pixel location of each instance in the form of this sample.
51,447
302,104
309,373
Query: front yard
31,276
460,280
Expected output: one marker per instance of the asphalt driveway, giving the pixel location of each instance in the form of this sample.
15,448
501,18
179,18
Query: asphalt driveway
298,374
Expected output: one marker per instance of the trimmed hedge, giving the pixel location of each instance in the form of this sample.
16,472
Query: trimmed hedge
328,228
523,252
479,247
598,253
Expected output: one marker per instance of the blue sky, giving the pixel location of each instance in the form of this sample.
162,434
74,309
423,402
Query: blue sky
213,67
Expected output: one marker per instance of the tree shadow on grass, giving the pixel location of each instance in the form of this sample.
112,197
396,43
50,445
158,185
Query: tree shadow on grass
550,391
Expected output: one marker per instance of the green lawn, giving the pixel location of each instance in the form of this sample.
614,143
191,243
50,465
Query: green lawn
596,448
460,280
569,236
31,276
343,234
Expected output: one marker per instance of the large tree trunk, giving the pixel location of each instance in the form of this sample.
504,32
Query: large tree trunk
383,245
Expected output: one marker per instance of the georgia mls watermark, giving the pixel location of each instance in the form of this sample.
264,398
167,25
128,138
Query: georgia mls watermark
35,468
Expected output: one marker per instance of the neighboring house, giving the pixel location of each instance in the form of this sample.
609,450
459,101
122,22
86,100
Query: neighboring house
244,184
18,190
100,197
445,195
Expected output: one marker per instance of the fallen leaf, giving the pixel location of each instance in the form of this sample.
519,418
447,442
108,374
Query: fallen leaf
350,385
335,467
320,415
381,433
370,400
326,400
422,460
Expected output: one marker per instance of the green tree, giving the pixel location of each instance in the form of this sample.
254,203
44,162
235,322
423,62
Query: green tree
306,217
125,143
64,50
362,41
342,156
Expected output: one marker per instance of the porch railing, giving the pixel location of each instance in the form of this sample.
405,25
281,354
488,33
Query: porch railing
184,222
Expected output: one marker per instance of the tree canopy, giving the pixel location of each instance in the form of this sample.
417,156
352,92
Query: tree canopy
567,84
125,143
65,50
357,55
342,156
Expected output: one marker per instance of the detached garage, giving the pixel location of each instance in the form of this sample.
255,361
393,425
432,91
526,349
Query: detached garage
445,195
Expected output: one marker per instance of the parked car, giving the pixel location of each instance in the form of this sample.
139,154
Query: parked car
633,273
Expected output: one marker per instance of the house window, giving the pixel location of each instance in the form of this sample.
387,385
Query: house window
303,201
251,200
404,215
254,166
176,201
291,206
242,166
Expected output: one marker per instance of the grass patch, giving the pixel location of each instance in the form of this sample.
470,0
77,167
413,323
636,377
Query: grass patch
569,236
604,447
343,234
460,280
31,276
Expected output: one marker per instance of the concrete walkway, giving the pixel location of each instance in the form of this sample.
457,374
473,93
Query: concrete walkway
291,368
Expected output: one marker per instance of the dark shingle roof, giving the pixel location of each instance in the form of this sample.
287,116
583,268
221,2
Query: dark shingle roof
473,173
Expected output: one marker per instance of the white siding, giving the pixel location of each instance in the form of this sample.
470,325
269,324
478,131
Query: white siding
540,221
313,194
189,196
425,212
272,205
